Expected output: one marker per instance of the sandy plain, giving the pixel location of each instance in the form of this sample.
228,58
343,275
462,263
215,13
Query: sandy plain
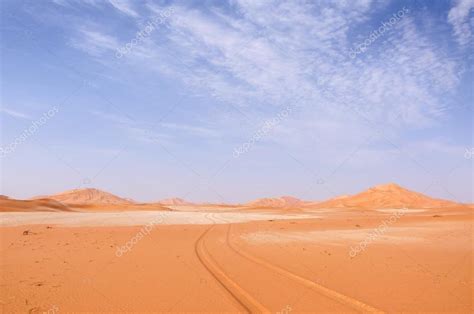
317,261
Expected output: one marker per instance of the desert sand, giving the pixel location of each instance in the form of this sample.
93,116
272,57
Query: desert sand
386,196
241,259
86,196
277,202
12,205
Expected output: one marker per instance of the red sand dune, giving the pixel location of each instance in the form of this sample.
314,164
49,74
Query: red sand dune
12,205
88,196
381,196
97,200
279,202
176,201
387,196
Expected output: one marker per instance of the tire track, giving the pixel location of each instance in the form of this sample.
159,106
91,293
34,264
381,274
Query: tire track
238,294
334,295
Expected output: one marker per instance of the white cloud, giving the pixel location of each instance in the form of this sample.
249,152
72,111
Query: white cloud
124,6
146,131
459,18
94,42
72,3
196,130
271,53
15,114
276,53
119,119
147,135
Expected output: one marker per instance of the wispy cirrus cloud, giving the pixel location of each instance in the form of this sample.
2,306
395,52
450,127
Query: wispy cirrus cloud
124,6
116,118
15,113
276,53
195,130
265,55
462,20
94,42
149,131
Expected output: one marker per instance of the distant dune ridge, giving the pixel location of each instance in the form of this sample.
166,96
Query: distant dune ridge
379,197
277,202
174,202
48,205
386,196
88,196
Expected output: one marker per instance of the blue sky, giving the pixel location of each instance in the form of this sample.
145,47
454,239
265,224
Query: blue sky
231,101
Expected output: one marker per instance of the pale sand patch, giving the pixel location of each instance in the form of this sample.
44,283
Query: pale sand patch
439,233
401,210
203,208
134,218
331,237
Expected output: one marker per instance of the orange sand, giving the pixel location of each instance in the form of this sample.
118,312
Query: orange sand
421,262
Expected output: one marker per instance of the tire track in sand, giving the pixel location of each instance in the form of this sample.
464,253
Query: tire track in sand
242,298
334,295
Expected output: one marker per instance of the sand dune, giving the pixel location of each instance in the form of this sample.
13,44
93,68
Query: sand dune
379,197
387,196
277,202
87,196
94,200
176,201
12,205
